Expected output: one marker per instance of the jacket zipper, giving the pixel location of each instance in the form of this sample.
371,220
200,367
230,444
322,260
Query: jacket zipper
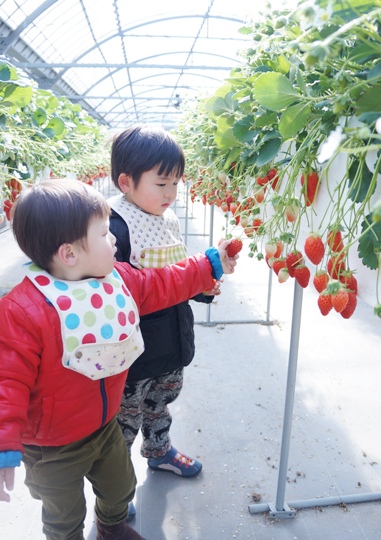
104,401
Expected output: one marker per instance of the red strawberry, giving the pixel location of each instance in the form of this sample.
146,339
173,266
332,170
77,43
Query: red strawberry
262,180
310,186
279,248
350,307
314,248
335,266
278,264
257,223
293,259
7,206
335,241
234,247
302,275
272,175
349,281
340,299
324,303
320,280
248,203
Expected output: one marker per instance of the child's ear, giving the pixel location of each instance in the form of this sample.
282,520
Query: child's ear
125,182
67,254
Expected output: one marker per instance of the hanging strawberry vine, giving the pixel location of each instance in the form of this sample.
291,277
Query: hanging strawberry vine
306,96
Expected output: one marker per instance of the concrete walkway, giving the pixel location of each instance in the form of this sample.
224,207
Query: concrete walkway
230,416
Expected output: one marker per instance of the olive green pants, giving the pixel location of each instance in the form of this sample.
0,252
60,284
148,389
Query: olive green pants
55,475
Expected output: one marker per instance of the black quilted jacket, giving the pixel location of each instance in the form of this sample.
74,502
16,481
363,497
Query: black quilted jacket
168,334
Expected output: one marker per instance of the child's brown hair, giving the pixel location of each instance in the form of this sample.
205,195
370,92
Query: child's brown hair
52,213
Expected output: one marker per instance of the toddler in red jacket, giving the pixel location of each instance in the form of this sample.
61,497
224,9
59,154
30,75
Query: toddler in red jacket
68,334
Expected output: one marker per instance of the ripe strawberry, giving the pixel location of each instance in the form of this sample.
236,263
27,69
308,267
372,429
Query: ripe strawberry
349,281
302,275
324,303
262,180
320,280
229,199
257,223
273,177
293,259
310,186
234,247
248,203
335,241
350,307
279,248
335,266
283,275
278,264
340,299
314,248
291,212
7,206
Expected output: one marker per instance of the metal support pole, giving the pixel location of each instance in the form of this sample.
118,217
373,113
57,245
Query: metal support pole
281,509
269,289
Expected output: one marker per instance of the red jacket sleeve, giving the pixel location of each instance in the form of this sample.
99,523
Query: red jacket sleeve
158,288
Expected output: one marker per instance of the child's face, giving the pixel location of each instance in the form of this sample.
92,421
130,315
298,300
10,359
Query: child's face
97,260
154,193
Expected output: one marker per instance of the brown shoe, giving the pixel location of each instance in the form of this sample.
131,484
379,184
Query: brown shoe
121,531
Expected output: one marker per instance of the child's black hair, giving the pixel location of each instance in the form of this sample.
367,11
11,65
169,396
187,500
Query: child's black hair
141,148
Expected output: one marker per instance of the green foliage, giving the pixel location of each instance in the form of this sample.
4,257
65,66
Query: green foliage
40,131
369,247
308,89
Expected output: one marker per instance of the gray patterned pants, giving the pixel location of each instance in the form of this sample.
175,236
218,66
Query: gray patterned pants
145,406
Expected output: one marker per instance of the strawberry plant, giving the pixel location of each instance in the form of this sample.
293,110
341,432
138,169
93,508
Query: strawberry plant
40,132
305,98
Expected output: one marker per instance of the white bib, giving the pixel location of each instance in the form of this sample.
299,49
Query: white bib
155,240
99,322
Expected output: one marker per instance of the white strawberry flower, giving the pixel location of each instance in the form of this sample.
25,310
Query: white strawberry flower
378,126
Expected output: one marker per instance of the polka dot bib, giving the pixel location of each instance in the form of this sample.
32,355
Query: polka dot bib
155,240
99,322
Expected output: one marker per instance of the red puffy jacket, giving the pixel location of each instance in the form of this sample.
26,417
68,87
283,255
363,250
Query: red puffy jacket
41,402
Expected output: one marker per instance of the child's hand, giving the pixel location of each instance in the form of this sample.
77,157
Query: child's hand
7,481
215,290
228,263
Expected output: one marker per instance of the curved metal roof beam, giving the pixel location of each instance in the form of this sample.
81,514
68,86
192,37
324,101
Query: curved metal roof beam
165,19
11,38
144,79
151,77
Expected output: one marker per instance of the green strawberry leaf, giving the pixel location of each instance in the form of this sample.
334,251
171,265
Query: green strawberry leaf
294,119
359,187
369,247
267,151
274,91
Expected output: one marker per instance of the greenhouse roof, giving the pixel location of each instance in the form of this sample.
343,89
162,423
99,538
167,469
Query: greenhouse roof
126,62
